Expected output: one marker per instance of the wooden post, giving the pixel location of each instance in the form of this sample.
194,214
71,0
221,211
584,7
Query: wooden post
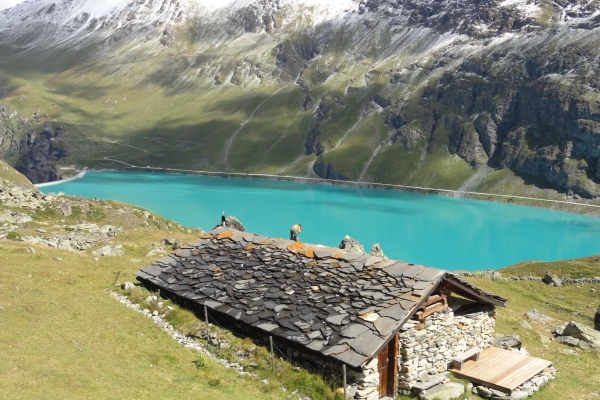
272,355
206,319
158,296
344,375
117,278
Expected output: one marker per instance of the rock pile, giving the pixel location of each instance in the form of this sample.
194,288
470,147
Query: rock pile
109,251
15,217
523,391
16,196
80,237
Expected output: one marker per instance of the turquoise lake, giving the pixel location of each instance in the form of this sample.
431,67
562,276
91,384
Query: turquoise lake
443,232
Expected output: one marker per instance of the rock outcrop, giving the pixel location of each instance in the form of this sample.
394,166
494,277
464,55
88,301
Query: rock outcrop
18,196
34,150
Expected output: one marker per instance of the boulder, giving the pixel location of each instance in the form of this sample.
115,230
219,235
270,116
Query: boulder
544,339
446,391
519,395
525,325
352,245
508,342
552,280
108,251
482,391
535,315
65,208
582,332
571,341
127,285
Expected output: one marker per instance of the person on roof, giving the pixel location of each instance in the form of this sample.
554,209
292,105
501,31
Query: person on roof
295,231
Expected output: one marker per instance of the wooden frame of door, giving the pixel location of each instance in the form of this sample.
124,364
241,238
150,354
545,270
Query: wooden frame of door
387,366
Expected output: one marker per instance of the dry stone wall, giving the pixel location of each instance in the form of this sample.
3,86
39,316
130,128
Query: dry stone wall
427,348
368,384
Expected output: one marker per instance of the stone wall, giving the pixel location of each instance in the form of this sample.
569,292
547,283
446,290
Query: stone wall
368,384
427,348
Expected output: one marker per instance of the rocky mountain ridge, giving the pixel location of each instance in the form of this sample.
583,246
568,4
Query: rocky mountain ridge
394,91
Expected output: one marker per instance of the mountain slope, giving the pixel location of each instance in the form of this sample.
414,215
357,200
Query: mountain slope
395,91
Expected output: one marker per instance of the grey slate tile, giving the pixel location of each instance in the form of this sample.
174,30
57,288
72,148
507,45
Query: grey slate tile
353,330
372,260
366,344
267,326
396,312
322,252
352,358
336,319
385,326
340,348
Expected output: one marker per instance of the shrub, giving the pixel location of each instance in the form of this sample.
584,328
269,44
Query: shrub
200,362
13,236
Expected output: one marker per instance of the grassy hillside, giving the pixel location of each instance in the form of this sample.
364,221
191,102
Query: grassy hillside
8,173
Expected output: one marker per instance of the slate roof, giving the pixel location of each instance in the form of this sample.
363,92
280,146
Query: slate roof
341,304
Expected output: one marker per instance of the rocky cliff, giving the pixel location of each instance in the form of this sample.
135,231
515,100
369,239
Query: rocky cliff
30,145
395,91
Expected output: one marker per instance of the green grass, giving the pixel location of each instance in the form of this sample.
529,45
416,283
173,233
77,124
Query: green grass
9,174
586,267
286,374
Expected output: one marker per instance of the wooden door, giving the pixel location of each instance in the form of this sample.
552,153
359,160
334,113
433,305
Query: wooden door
388,369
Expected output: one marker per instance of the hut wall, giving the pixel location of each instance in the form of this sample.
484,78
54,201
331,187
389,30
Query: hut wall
368,384
427,348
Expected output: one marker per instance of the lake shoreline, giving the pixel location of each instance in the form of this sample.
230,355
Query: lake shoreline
446,233
591,210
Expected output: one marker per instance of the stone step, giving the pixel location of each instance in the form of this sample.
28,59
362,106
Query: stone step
429,383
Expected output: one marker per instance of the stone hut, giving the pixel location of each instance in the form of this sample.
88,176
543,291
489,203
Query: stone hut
391,323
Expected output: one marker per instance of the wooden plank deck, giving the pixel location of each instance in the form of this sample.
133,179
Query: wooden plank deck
501,369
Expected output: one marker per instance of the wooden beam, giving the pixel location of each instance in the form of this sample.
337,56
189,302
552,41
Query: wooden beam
466,291
434,299
430,310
